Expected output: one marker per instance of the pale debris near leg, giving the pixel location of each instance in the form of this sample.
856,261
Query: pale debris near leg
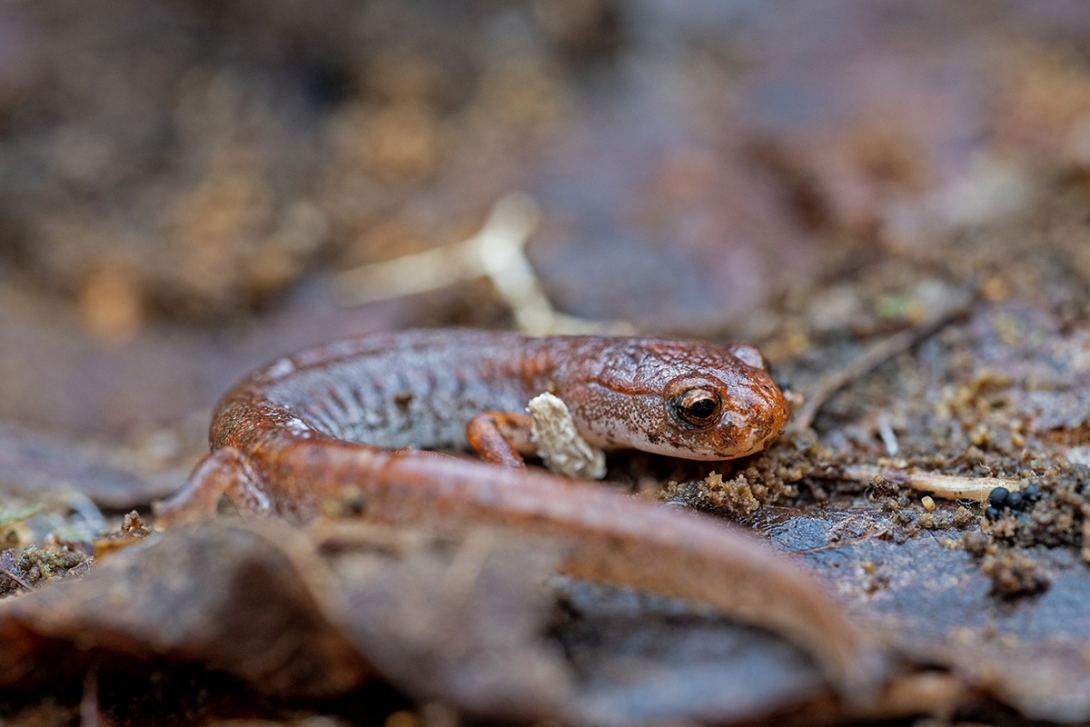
497,251
559,445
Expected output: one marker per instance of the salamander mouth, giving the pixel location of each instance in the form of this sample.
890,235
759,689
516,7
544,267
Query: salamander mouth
740,450
749,434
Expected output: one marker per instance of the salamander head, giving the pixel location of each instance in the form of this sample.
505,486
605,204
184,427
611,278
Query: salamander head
693,401
728,409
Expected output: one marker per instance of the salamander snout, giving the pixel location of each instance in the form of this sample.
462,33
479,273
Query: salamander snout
752,420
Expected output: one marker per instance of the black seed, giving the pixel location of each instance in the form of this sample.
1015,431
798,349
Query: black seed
1030,493
998,497
992,513
1014,501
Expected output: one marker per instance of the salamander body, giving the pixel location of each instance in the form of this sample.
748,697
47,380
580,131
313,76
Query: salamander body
331,422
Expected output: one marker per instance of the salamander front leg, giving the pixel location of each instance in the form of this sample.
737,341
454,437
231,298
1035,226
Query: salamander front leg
549,432
225,471
501,438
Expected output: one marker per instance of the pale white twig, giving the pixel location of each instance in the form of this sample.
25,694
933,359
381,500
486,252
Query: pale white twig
497,251
950,487
889,437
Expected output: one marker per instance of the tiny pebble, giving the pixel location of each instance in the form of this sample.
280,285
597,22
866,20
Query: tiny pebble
1014,501
927,502
998,497
992,513
1030,493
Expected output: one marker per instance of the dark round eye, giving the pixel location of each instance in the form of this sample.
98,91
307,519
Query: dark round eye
697,406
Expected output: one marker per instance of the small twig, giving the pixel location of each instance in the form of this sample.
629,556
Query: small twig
872,357
498,252
5,570
840,544
889,437
949,487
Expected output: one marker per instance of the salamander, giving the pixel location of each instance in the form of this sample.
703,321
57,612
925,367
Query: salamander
354,416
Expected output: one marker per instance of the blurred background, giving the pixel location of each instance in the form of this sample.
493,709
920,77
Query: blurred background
891,198
182,182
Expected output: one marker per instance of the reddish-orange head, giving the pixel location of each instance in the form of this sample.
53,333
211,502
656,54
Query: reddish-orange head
690,400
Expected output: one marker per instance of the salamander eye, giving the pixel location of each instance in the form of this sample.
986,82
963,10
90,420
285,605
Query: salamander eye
698,407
